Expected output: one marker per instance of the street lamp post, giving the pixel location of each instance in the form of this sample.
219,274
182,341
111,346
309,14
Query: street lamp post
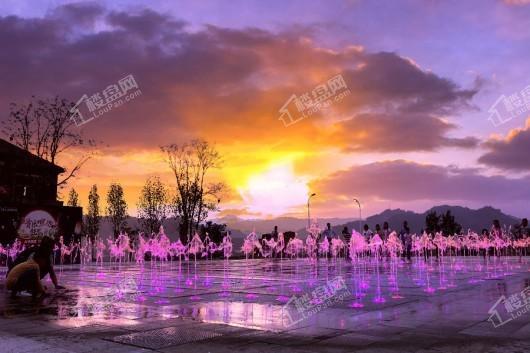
360,215
308,212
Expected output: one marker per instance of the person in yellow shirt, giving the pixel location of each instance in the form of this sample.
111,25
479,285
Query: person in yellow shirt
46,246
26,275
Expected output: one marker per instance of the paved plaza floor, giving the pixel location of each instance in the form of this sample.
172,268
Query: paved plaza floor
453,305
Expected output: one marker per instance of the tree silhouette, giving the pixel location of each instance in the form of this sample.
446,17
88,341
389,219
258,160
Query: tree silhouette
195,196
44,127
215,231
153,205
73,198
432,223
448,225
93,214
116,207
444,223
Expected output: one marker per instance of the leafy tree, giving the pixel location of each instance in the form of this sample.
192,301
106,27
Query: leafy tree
73,198
153,205
93,217
44,127
432,223
116,207
448,225
215,231
195,197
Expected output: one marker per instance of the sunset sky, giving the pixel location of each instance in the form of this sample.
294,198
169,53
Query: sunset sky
412,133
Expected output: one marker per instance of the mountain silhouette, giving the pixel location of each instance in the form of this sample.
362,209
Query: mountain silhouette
476,220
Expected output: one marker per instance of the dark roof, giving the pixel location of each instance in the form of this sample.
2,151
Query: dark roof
11,151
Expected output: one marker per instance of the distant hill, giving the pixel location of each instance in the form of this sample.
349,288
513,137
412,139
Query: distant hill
267,225
469,219
240,228
475,220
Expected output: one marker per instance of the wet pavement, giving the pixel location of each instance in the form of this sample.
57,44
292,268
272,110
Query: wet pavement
277,306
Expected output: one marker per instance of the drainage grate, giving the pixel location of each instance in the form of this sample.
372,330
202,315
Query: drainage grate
165,337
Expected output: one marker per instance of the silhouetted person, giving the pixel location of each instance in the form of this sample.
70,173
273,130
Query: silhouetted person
346,234
378,232
274,233
328,233
496,233
496,230
386,231
485,236
406,239
367,233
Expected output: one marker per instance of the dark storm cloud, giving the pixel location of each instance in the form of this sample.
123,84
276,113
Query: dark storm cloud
399,133
196,82
511,152
40,58
79,14
405,104
387,80
408,181
146,24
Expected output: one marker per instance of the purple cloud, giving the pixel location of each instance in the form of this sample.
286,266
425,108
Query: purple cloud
511,152
197,82
403,181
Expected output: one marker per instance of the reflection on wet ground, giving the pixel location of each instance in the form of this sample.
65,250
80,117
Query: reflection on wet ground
289,305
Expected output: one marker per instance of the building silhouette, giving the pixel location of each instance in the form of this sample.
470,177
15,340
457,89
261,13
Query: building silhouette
29,208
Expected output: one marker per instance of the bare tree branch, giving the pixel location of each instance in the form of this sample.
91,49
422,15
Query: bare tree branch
44,127
190,164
